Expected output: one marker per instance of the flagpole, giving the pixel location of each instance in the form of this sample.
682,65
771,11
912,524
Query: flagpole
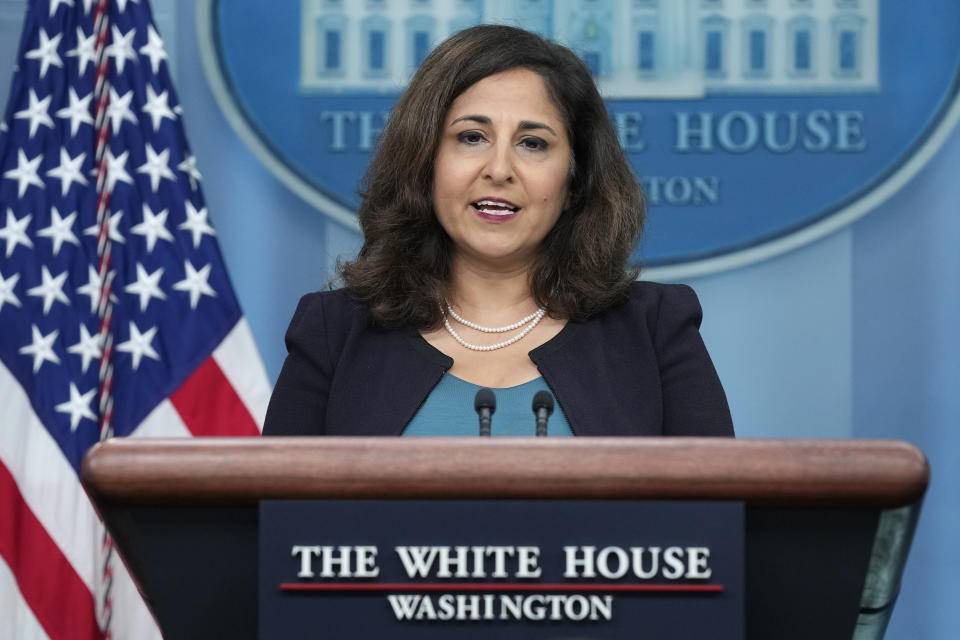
104,305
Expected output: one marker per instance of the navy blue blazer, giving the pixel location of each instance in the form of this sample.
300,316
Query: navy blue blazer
639,368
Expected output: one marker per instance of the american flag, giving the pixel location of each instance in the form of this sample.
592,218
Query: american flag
184,362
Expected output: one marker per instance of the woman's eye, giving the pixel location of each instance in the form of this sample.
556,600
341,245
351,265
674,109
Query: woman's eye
470,137
533,144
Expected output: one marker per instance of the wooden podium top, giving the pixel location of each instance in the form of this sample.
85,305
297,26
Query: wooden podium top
759,472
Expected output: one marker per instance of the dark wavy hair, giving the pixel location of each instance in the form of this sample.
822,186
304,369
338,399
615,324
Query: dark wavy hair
403,269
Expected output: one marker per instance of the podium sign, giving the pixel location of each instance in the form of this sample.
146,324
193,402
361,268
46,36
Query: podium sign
506,569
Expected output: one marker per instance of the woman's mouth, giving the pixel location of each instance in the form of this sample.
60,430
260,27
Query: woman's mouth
495,210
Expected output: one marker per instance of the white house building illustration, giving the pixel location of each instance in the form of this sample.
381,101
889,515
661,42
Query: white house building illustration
635,48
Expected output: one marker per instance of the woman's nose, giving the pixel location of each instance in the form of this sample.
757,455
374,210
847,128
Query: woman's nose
499,168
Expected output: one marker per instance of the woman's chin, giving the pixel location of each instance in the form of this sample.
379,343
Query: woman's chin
501,255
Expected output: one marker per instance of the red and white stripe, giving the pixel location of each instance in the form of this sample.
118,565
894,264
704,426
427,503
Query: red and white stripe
49,546
19,615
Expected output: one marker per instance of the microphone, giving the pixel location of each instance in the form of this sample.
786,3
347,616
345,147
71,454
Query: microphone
485,404
542,408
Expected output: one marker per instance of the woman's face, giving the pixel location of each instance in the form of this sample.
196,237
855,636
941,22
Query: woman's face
501,171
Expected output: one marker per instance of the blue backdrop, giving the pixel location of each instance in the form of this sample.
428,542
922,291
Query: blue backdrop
851,336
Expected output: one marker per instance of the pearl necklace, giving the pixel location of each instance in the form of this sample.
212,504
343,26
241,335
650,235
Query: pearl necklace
509,327
530,321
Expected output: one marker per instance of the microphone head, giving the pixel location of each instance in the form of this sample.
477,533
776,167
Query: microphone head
486,400
543,400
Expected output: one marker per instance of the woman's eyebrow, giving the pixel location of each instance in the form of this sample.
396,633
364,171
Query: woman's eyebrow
530,124
472,118
525,125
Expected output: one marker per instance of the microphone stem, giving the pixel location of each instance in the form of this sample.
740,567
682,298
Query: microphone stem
541,422
485,423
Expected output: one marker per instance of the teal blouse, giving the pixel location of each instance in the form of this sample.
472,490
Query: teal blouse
448,411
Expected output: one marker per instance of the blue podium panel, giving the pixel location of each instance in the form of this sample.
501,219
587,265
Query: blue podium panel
504,569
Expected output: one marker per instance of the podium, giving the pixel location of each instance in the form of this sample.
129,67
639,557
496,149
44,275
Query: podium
828,523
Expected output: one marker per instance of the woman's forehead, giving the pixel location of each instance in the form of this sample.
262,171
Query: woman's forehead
517,95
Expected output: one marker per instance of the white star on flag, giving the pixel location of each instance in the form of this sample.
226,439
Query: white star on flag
119,109
195,283
78,406
93,286
197,224
54,4
138,345
26,172
16,232
116,170
153,50
85,50
38,112
157,166
68,171
78,111
112,228
41,348
153,226
157,107
46,52
123,4
147,286
60,230
50,289
88,348
121,48
189,166
6,290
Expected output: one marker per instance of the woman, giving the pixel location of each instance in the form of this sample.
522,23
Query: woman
498,217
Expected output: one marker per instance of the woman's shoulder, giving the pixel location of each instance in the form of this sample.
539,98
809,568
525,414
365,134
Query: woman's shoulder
332,304
649,309
328,313
656,300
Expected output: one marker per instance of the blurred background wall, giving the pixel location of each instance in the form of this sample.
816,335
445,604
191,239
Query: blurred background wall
853,335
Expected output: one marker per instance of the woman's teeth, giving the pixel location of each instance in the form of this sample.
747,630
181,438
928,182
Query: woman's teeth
493,208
